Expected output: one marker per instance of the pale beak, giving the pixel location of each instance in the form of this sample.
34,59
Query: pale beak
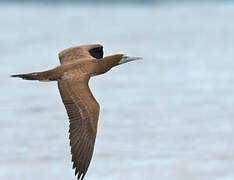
126,59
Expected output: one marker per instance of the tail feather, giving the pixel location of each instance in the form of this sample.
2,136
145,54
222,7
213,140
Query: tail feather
31,76
40,76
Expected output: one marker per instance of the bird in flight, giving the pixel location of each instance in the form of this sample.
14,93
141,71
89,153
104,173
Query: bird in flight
78,65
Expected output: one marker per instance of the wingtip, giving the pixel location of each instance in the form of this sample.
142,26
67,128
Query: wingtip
79,175
83,175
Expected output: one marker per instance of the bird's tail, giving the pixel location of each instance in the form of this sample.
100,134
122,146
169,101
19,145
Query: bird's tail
40,76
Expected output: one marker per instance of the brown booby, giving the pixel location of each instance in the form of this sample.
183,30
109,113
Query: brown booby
78,64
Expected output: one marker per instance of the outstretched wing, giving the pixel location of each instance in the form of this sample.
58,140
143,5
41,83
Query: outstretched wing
83,112
81,52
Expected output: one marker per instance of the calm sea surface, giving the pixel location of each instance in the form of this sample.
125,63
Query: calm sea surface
169,117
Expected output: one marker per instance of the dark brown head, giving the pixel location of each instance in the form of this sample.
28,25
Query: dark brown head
105,64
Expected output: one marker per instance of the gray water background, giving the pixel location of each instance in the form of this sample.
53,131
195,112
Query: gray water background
167,117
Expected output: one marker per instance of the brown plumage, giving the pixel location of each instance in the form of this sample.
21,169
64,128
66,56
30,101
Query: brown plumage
78,64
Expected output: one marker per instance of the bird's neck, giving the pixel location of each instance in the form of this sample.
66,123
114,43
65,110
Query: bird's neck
107,63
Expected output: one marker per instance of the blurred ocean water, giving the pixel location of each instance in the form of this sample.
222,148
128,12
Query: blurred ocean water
167,117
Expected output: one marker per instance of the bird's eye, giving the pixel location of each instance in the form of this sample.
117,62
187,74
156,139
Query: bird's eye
96,52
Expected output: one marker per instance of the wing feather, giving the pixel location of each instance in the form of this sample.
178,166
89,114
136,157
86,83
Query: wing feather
81,52
83,112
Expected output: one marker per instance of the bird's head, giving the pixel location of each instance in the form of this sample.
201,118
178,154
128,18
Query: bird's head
109,62
118,59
